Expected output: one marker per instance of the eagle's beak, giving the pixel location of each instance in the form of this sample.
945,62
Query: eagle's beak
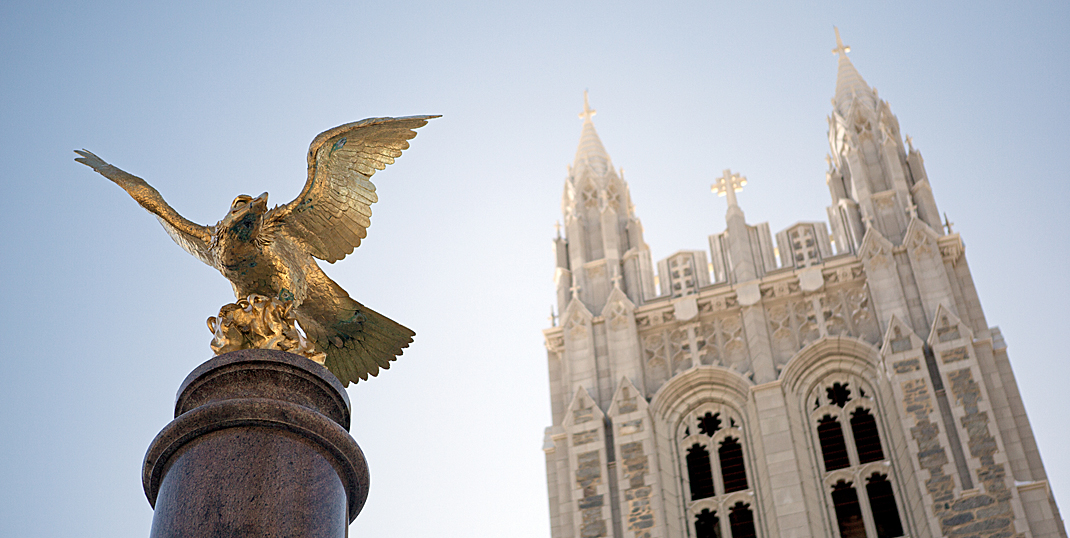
259,204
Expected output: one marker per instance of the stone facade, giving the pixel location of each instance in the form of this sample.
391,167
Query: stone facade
844,384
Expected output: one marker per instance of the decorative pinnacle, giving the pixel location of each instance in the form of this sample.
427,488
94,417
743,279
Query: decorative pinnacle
587,110
557,228
728,185
948,224
840,49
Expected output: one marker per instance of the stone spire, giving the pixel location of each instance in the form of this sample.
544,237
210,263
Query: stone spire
590,151
876,181
849,83
603,238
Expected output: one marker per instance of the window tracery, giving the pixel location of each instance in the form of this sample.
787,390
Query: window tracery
720,500
844,421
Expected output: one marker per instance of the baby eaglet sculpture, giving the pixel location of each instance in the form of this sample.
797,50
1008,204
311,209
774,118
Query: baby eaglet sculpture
269,252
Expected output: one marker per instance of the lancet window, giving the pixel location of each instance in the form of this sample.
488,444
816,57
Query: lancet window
845,425
718,478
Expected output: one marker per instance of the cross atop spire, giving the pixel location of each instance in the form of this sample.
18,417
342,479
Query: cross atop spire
587,110
840,49
728,185
850,87
590,151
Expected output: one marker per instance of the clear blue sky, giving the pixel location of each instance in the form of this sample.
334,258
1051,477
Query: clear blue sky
103,316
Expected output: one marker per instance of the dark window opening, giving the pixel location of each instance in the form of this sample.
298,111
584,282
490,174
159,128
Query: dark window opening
687,432
839,394
710,423
848,511
732,469
707,525
817,403
741,520
867,440
699,472
882,503
833,447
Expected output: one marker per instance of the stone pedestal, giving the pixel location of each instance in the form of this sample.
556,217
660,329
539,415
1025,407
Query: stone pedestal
259,448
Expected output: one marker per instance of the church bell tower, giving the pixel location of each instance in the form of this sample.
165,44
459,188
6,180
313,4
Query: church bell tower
842,384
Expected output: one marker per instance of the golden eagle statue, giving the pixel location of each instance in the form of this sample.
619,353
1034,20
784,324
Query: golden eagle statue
269,252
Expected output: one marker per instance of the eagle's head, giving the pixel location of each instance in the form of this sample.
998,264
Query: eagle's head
243,221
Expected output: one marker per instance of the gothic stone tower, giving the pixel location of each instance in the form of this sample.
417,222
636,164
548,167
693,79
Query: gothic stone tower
849,392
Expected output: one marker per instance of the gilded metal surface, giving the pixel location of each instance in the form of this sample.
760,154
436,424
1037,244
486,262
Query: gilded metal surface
259,322
270,252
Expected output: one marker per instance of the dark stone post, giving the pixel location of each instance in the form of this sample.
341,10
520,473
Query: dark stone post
259,448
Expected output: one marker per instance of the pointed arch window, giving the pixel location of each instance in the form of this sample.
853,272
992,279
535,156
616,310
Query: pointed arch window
847,430
733,471
741,520
882,504
707,524
700,472
848,511
833,446
867,439
713,450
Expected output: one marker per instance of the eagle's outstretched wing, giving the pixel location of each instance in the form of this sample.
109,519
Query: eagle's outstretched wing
333,211
192,237
358,341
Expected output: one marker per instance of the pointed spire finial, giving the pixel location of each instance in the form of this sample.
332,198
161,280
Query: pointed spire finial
910,142
840,49
557,228
728,185
587,110
851,88
948,224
